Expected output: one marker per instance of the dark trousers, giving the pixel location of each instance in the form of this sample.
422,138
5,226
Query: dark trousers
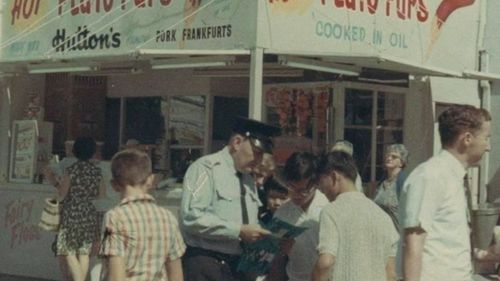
205,265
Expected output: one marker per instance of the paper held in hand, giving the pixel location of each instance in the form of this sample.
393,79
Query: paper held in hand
258,256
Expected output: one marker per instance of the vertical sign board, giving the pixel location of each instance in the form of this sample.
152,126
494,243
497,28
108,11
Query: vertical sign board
440,33
39,29
23,151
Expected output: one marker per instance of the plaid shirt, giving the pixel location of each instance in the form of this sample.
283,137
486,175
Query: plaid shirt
145,235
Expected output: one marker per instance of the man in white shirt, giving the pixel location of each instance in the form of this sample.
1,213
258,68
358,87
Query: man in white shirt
303,209
357,239
433,205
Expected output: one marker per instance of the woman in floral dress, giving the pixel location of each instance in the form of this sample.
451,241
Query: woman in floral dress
81,184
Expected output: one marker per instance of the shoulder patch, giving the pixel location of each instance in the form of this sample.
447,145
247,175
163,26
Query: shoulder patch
209,162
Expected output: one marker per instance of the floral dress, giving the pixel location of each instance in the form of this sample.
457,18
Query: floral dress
386,197
78,214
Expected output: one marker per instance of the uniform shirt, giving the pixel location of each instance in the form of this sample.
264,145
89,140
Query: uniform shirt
359,235
145,235
303,255
211,214
433,198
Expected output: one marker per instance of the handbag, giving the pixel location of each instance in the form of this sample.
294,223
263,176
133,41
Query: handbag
50,218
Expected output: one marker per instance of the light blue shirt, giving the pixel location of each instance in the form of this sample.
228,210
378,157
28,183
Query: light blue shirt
211,214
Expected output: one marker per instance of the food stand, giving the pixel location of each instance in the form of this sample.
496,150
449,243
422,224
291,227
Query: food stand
180,49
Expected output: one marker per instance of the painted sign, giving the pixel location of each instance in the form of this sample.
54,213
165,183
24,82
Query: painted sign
19,224
421,31
22,242
67,28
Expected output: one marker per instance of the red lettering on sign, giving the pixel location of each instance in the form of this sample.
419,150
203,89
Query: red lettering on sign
165,2
18,211
401,9
23,233
405,9
18,221
24,9
85,7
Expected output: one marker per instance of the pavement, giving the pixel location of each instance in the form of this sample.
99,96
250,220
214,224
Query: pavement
4,277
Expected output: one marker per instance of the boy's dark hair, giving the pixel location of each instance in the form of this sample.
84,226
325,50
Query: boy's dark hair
273,185
300,166
130,167
338,161
84,148
458,119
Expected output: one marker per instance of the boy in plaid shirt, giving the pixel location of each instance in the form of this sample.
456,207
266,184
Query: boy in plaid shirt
141,240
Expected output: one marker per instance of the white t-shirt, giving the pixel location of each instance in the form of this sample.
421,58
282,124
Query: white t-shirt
433,198
360,235
303,255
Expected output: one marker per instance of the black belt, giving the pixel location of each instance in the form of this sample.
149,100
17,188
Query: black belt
195,251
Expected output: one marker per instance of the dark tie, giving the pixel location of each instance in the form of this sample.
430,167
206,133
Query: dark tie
243,192
468,197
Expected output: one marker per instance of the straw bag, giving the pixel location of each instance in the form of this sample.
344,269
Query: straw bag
49,221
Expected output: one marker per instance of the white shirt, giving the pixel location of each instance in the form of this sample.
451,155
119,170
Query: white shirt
358,184
360,235
303,255
433,198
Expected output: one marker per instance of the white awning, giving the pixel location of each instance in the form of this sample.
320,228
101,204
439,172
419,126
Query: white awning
387,62
479,75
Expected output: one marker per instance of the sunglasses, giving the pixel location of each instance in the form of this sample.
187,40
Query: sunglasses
393,156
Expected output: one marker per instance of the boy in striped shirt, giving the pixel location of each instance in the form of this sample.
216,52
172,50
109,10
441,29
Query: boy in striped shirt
141,240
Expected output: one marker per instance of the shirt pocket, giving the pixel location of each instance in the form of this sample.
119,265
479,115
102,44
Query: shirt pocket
227,205
255,199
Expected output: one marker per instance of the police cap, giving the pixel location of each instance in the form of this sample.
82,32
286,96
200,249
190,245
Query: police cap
259,134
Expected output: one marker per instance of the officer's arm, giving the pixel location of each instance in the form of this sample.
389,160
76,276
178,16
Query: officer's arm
197,198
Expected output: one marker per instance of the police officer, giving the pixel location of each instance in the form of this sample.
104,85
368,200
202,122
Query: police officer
220,203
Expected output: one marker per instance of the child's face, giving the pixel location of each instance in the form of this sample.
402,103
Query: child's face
275,200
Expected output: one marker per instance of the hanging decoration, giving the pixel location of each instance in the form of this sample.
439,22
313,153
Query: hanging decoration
300,108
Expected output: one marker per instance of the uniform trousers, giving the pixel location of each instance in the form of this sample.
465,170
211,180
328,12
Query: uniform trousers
205,265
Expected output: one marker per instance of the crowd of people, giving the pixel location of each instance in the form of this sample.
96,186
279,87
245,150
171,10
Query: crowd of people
415,228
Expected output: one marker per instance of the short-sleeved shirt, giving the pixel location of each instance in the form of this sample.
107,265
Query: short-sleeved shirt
360,236
211,209
303,255
145,235
433,198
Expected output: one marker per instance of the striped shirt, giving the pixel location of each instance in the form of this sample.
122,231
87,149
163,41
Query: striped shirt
145,235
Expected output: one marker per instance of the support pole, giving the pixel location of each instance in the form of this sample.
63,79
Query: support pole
255,95
5,118
485,90
121,132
